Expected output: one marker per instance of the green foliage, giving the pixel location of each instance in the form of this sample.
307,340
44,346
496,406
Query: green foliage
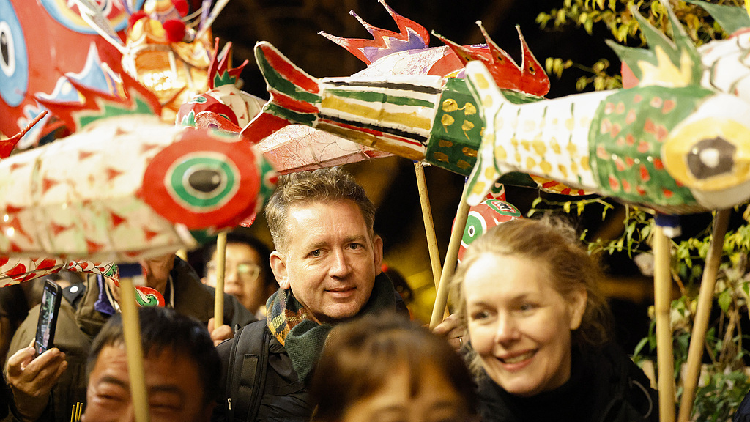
618,18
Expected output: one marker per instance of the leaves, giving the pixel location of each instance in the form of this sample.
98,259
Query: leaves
616,16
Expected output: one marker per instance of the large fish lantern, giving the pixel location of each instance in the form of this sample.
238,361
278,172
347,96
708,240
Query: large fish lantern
127,189
668,144
421,117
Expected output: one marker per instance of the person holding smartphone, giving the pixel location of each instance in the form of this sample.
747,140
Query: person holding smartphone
44,390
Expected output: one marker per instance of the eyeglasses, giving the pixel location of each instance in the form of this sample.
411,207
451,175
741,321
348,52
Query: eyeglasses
245,271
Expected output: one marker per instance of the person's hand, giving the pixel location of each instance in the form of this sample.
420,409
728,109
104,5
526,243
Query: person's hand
219,334
452,330
31,379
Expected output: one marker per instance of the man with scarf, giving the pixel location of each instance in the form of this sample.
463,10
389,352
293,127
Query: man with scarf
328,265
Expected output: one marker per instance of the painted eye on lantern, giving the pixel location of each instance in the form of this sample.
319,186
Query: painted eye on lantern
709,154
14,61
202,181
475,227
711,157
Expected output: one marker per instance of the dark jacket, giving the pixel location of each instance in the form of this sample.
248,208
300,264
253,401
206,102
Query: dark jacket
78,325
604,387
284,397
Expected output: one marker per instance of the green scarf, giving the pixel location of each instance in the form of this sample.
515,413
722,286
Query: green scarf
302,335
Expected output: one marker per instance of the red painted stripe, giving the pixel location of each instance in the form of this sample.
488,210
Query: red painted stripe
283,66
261,126
293,104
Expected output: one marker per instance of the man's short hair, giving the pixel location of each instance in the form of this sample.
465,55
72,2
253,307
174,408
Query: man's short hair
165,329
322,185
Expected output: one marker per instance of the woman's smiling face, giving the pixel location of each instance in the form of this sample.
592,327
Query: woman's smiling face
519,324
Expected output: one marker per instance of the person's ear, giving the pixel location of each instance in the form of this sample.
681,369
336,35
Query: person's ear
278,266
377,246
577,306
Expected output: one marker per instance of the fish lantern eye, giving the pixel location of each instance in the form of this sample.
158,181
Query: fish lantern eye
7,60
14,66
205,181
711,157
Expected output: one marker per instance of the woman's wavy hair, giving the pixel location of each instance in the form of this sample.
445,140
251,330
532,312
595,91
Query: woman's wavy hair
554,241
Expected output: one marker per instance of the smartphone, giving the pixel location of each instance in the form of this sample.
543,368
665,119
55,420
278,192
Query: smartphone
50,307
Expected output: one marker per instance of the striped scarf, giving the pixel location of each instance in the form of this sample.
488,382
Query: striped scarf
302,335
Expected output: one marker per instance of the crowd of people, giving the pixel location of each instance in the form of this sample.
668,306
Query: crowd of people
316,331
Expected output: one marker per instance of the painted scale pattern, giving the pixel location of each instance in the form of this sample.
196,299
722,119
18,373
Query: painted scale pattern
18,270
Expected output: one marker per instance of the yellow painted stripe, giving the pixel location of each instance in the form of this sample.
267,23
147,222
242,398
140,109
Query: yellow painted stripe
376,116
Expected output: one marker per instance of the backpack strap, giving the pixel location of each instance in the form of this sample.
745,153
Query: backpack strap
248,365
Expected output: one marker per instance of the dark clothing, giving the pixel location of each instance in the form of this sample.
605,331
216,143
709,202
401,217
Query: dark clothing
78,325
743,412
284,395
603,387
284,398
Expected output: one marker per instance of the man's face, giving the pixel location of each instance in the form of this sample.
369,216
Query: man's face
331,260
172,380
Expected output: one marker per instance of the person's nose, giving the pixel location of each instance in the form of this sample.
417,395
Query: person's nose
230,273
507,328
340,265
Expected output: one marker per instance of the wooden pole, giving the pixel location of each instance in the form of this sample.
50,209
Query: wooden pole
132,332
221,259
705,300
662,302
429,225
451,256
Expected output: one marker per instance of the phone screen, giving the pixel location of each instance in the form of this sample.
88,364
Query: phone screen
45,329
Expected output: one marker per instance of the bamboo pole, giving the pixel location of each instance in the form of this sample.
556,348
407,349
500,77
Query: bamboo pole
705,300
221,259
132,333
429,225
662,299
451,256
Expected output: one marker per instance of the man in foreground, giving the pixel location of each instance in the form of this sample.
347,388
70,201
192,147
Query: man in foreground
181,370
327,263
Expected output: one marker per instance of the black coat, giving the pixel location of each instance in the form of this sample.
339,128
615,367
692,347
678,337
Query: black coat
604,387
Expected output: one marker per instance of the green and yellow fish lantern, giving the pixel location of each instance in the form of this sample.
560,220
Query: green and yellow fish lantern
667,144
